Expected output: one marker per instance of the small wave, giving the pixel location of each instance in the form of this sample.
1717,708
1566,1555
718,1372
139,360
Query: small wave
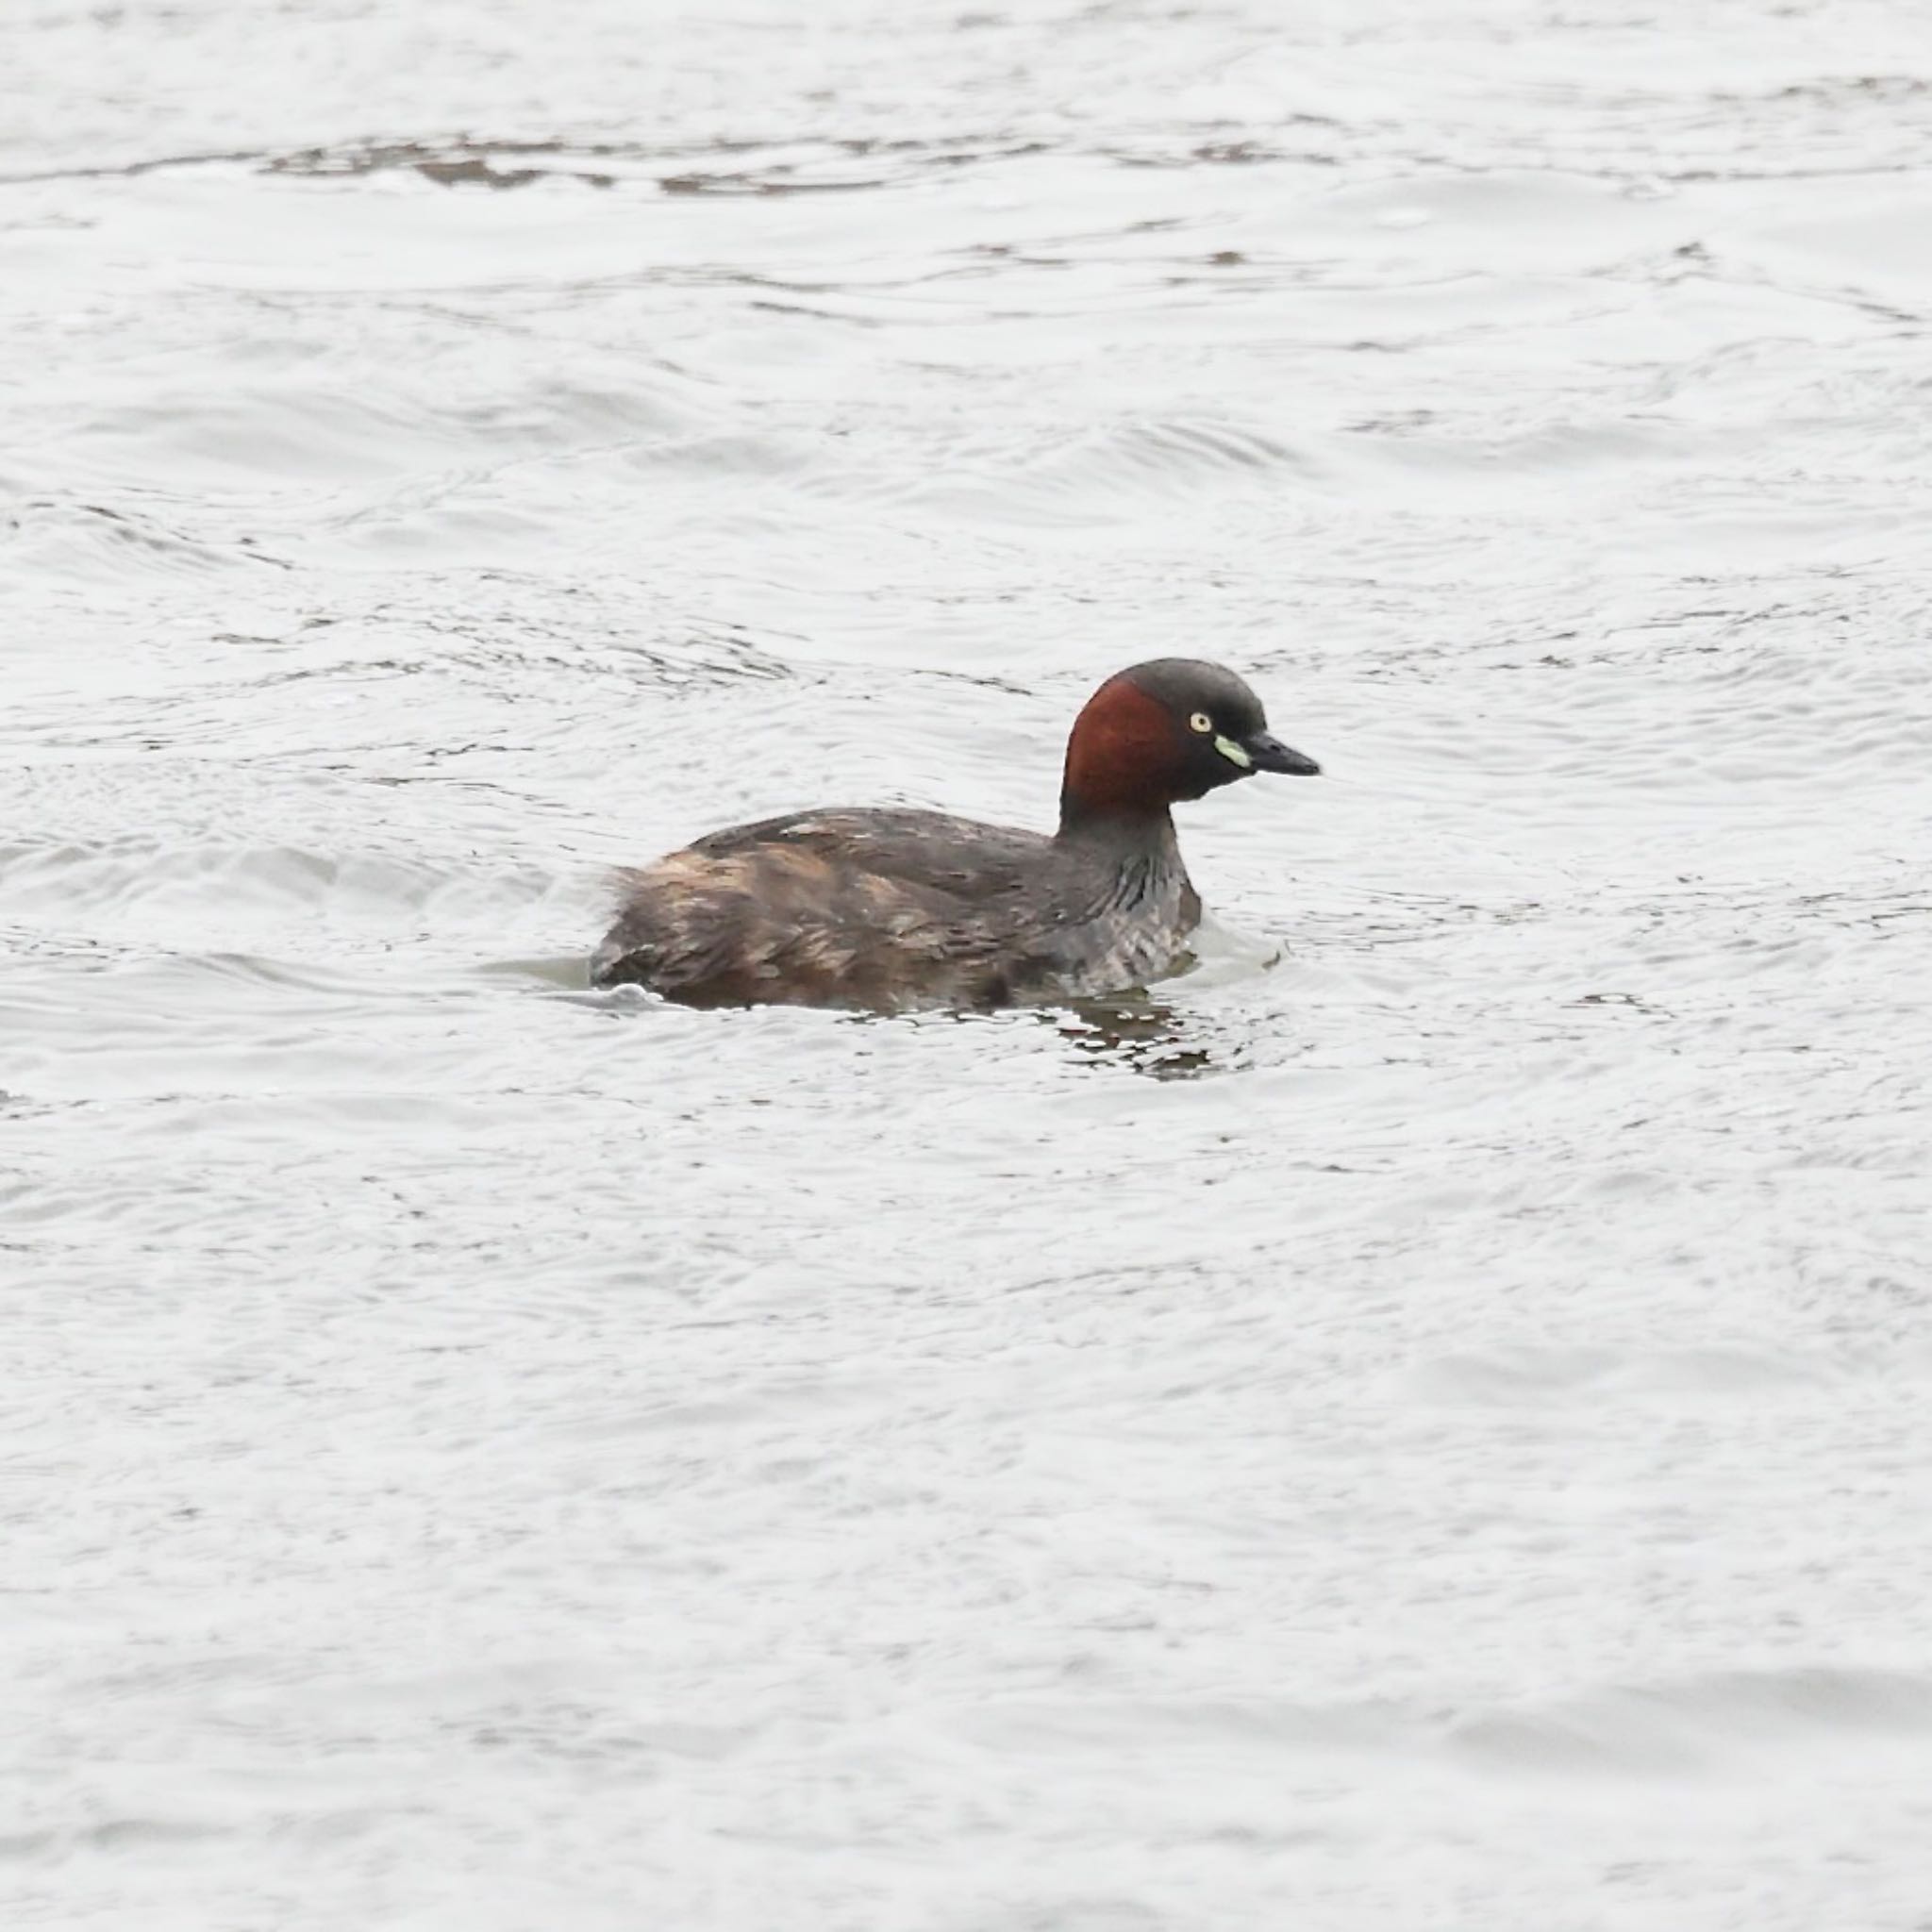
1536,1377
70,542
1125,469
1693,1724
77,877
1697,1723
826,165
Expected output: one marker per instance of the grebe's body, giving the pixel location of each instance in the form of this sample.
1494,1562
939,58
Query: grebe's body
895,909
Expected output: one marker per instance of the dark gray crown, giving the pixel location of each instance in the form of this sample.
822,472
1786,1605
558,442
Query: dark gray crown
1184,685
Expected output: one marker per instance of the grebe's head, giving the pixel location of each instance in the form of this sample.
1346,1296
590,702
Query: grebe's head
1171,729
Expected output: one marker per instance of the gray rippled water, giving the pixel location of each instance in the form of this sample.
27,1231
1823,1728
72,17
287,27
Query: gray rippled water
1421,1424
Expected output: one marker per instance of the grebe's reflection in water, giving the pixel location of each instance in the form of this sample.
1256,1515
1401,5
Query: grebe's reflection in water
1141,1032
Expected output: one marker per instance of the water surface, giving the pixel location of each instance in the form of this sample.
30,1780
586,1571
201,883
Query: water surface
1429,1432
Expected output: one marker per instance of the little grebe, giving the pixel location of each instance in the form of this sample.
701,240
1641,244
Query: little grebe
888,910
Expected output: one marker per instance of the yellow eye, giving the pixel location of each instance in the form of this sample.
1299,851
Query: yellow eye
1201,721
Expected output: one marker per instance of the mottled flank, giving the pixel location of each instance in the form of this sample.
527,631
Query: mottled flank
894,909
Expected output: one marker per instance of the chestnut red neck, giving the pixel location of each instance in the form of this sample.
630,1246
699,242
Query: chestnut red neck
1122,765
